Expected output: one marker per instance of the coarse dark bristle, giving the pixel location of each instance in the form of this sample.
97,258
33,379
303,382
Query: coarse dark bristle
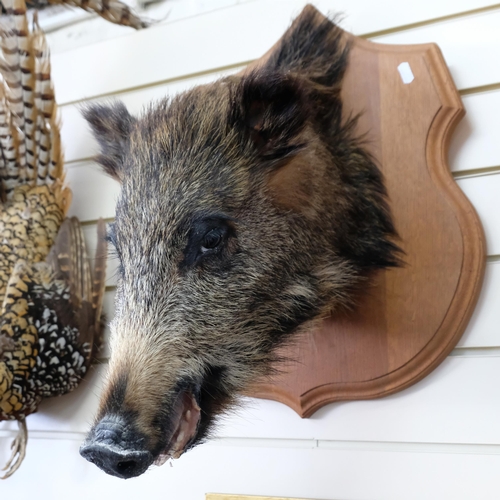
249,210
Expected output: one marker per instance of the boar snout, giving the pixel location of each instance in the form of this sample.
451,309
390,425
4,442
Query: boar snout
117,447
115,450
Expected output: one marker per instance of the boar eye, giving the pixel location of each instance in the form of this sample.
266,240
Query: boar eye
207,240
212,239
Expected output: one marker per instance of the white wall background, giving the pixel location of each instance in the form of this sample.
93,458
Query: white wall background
439,439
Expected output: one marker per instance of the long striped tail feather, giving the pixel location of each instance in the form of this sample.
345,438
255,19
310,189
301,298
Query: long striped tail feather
30,137
113,11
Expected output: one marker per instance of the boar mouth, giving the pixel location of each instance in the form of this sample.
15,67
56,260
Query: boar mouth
194,410
117,447
185,424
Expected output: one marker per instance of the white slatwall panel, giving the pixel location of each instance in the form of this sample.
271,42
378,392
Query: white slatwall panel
475,142
359,16
94,194
156,55
483,192
437,439
483,328
454,404
97,29
474,145
55,471
471,59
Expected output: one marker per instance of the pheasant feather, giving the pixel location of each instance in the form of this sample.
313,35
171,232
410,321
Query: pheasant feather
111,10
50,317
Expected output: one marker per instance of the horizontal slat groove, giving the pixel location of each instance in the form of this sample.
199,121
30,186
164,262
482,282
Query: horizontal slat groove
464,162
108,220
480,89
476,352
467,448
235,67
480,333
250,442
276,17
265,442
90,16
459,175
428,22
423,413
149,85
76,161
71,436
463,352
476,172
112,288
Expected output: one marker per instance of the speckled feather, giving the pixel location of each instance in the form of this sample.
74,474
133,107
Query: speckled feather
50,316
52,322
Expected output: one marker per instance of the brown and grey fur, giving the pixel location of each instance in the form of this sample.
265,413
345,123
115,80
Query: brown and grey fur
297,210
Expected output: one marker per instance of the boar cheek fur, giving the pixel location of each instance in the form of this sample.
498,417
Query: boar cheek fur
263,165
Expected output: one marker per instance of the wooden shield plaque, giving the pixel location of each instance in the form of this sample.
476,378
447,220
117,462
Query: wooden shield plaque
408,319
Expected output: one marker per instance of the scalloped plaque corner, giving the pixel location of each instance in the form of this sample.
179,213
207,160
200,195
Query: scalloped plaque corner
410,318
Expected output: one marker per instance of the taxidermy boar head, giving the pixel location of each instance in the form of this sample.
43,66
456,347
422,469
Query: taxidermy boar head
247,211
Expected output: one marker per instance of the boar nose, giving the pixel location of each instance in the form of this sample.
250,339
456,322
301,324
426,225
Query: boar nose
110,447
123,464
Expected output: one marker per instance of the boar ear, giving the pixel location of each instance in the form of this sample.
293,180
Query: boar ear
275,109
272,110
111,127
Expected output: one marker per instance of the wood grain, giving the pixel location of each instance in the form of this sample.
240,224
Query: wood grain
408,319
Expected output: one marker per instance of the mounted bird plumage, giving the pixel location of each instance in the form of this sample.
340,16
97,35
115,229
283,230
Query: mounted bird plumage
111,10
50,322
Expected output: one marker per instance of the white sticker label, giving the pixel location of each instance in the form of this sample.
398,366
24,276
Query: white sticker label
406,73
